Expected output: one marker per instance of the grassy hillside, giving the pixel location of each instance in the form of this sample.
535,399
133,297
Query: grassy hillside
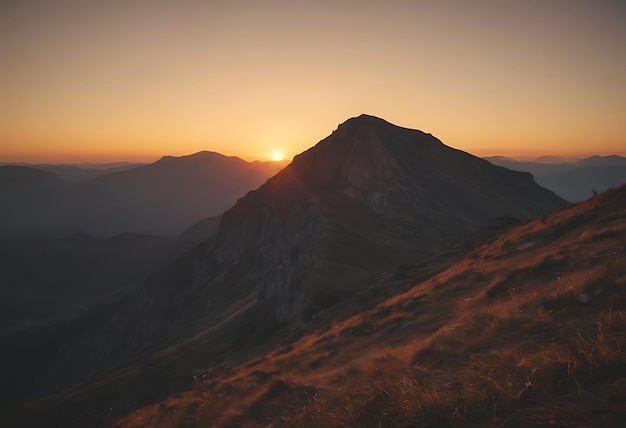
527,330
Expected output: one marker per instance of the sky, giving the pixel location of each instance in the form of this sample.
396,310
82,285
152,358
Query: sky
132,80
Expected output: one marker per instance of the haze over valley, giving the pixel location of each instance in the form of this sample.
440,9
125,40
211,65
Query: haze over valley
574,180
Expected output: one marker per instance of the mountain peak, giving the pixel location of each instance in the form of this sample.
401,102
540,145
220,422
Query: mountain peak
373,123
365,118
201,155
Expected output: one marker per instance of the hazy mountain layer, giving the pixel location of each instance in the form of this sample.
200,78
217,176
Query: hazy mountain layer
75,173
162,198
574,181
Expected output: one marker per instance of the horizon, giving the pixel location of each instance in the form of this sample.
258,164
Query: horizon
120,81
557,158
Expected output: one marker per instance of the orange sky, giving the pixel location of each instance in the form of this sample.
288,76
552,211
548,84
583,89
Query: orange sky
133,80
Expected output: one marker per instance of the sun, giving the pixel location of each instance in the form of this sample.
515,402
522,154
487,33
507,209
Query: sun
278,156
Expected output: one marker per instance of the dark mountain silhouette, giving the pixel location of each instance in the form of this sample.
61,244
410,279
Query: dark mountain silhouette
162,198
171,194
612,160
364,200
82,172
13,175
574,181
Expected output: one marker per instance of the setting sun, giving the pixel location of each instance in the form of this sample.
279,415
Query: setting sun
278,156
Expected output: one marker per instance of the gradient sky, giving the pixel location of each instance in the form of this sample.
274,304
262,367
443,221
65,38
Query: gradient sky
136,79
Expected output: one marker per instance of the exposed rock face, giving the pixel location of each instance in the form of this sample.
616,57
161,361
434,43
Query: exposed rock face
368,197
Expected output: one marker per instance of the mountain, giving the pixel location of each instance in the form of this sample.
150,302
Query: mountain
612,160
12,175
370,197
82,172
171,194
75,173
162,198
574,180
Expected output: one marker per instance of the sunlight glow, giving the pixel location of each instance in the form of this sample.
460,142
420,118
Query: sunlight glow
277,156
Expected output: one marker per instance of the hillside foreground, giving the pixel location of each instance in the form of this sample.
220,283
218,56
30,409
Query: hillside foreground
526,330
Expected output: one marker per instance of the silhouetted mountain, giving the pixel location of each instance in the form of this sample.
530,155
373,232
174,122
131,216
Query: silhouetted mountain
83,172
13,175
75,173
171,194
367,198
162,198
574,181
612,160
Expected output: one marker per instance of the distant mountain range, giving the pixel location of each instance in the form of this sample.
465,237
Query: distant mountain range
74,173
162,198
572,180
